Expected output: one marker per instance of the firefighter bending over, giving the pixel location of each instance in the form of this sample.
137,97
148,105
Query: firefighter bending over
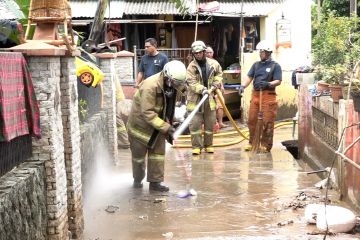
202,74
149,123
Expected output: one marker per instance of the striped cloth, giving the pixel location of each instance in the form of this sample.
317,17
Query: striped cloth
19,110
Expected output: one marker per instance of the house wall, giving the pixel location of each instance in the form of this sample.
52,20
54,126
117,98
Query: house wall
299,13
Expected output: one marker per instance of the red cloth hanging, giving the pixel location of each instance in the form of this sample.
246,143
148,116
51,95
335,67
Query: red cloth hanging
19,110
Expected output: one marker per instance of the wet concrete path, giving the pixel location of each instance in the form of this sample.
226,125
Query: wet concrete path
240,196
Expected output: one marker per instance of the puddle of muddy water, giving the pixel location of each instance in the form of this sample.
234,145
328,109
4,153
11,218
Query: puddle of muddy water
240,196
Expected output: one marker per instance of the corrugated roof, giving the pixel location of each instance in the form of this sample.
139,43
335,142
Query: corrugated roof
87,8
227,7
152,7
250,8
10,10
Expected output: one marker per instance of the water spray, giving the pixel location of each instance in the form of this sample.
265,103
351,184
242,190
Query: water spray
188,192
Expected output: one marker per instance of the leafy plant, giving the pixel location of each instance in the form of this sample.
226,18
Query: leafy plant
336,46
182,6
83,112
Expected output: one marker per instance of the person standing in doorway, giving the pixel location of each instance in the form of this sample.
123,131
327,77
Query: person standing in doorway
152,62
202,74
219,108
266,75
150,123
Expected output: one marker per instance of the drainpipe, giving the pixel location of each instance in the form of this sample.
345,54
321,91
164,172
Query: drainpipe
135,64
241,32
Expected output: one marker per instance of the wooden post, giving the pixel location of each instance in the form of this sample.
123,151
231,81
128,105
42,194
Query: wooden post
353,7
197,19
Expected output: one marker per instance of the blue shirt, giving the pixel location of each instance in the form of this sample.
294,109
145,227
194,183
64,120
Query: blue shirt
259,71
151,65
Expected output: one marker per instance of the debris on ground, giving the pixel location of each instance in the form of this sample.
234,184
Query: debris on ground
284,223
168,235
111,209
302,200
143,217
160,200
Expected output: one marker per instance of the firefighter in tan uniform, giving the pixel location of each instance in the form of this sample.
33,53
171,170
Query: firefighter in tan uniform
149,123
202,74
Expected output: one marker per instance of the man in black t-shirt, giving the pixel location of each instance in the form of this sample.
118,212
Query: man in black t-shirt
152,62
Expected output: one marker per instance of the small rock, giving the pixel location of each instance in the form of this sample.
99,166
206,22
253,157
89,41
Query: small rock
111,209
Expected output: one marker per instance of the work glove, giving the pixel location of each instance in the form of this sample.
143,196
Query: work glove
170,135
262,85
205,91
241,90
216,86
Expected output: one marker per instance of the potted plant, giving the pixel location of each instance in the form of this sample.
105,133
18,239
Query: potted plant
336,46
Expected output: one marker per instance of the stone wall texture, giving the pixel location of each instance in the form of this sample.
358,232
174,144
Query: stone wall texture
45,72
124,69
107,65
71,134
93,136
23,213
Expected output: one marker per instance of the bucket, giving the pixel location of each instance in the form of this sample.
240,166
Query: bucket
322,86
336,92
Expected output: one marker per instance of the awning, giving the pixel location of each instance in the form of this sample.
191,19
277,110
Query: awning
143,7
250,8
87,9
230,8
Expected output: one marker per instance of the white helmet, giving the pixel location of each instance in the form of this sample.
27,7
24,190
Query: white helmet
264,45
198,46
175,70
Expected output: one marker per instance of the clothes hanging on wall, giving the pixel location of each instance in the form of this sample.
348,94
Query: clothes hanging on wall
19,110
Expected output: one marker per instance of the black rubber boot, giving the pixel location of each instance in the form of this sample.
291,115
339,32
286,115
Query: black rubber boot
157,186
137,184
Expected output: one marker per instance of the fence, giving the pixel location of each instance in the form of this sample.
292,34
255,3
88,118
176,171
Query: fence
14,152
181,54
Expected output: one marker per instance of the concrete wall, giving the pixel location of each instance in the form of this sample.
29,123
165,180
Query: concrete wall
321,122
23,210
299,14
93,134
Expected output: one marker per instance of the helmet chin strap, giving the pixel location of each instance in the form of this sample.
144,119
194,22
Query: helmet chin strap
168,87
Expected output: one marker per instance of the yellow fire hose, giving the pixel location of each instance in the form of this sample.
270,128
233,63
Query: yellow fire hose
221,99
243,134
